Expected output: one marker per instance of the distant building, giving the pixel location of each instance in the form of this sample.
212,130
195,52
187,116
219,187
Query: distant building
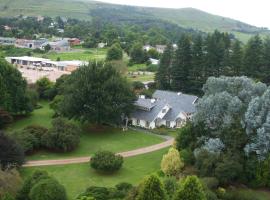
102,45
70,65
170,109
74,41
7,41
160,48
58,45
154,61
147,47
31,44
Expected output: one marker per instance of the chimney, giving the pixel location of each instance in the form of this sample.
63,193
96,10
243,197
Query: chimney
179,93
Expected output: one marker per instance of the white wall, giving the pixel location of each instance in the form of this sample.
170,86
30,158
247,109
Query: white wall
143,124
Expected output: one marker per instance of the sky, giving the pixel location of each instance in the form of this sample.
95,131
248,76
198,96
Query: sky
254,12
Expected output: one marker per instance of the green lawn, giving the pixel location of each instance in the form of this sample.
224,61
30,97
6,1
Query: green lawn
83,55
137,67
77,177
142,78
91,141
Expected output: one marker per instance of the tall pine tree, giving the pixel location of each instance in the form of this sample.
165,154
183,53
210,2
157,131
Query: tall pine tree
163,76
236,58
181,65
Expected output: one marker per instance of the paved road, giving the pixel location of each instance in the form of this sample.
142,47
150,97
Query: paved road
86,159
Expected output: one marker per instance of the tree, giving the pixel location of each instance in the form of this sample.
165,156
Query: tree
63,136
163,75
10,182
236,58
44,85
97,93
153,53
47,48
190,189
266,62
11,153
115,52
181,65
253,59
13,95
30,182
137,54
5,118
151,188
171,163
106,161
48,189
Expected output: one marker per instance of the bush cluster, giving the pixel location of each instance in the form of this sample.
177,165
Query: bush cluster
40,186
63,136
106,161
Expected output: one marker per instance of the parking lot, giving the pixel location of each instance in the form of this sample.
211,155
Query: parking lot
32,75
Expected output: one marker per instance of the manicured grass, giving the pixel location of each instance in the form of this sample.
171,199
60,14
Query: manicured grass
83,55
42,117
137,67
77,177
112,139
142,78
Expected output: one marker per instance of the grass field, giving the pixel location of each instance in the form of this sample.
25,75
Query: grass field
81,54
77,177
142,78
109,139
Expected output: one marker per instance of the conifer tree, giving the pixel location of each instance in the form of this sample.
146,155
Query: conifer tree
163,76
151,189
236,58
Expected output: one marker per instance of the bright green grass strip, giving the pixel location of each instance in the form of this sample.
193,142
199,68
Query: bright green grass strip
77,177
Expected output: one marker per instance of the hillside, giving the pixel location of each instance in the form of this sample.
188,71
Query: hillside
84,9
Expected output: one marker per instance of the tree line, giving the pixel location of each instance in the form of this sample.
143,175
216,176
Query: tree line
188,67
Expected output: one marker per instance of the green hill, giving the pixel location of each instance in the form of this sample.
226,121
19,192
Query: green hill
84,9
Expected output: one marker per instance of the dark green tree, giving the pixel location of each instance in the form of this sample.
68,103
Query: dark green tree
266,61
11,153
97,93
48,189
163,75
236,58
190,189
115,52
181,65
137,54
151,188
252,63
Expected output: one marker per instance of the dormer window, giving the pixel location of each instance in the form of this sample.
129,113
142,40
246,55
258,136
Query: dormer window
164,110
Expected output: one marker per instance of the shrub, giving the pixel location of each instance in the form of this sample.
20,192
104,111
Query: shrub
171,163
190,189
48,189
210,182
11,153
5,117
30,182
99,193
187,156
170,185
63,136
137,85
151,188
106,161
10,182
30,137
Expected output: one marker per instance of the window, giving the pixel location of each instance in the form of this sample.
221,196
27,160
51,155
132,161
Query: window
164,110
138,122
168,123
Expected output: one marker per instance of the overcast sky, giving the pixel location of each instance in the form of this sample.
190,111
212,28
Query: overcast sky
254,12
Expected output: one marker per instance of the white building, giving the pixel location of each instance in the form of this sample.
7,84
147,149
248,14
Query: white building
168,109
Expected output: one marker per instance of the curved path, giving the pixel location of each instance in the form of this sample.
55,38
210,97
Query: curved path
126,154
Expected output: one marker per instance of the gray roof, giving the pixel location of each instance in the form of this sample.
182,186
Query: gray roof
178,103
145,103
149,115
